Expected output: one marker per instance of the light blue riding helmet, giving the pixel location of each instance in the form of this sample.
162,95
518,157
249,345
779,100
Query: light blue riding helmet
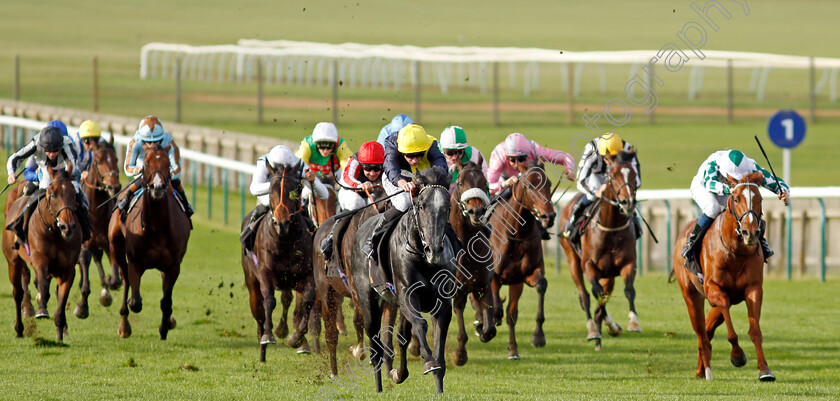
150,129
397,123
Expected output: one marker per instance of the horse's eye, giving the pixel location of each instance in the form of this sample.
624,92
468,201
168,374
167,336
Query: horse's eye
736,200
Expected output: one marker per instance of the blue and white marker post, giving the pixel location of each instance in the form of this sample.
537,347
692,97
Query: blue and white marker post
787,130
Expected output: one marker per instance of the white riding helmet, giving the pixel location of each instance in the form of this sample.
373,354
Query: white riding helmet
325,132
735,164
281,155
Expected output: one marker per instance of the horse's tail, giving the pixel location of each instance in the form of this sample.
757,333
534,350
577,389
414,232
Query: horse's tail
672,276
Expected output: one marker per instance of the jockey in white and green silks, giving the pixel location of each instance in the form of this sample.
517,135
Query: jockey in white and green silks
454,146
324,151
710,192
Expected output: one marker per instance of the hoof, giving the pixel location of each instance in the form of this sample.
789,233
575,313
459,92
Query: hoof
592,331
113,282
414,347
304,349
42,314
598,346
708,374
634,327
478,326
356,350
766,375
81,312
430,366
281,331
342,329
296,340
538,340
124,331
105,298
614,329
513,355
738,360
267,338
486,337
394,374
28,311
460,357
172,323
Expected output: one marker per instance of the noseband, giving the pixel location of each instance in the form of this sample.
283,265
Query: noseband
463,196
55,214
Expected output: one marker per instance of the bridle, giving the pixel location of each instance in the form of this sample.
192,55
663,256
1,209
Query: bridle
621,205
749,211
417,219
534,211
282,179
461,197
54,215
99,178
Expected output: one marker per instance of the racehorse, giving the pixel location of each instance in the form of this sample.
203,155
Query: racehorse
55,240
153,236
416,252
607,248
733,266
475,266
282,258
100,185
331,290
517,248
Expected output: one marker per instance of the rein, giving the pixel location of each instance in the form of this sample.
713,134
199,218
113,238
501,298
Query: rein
54,215
281,204
617,204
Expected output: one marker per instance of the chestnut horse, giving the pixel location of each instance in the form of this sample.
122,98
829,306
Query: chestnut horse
517,248
607,248
100,185
283,252
154,236
475,265
733,266
55,240
332,290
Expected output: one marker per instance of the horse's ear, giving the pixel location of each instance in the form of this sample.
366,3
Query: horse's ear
755,178
729,180
271,170
166,149
112,140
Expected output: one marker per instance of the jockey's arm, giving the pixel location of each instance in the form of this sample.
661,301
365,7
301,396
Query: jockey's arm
319,189
587,161
711,181
555,157
132,165
174,159
343,153
304,152
30,172
260,183
351,173
436,157
494,172
22,154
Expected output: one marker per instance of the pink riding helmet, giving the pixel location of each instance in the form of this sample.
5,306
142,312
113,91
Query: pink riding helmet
517,144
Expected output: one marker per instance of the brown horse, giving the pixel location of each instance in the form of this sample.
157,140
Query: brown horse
516,243
154,236
55,239
102,182
607,248
733,266
474,270
332,290
283,252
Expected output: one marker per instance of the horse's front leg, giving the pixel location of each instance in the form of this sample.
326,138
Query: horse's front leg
16,268
514,292
460,354
81,311
576,270
64,285
26,303
484,309
283,326
498,311
389,319
269,303
409,308
538,281
167,321
403,336
593,326
754,295
608,284
721,304
306,294
441,321
628,273
42,282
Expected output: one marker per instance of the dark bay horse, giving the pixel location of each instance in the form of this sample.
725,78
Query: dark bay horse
55,240
474,270
154,236
420,262
101,183
517,248
331,290
607,248
733,266
283,251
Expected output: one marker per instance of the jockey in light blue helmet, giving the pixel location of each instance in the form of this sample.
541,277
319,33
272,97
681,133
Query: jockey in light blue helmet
396,124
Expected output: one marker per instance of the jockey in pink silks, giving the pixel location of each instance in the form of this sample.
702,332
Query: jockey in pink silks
503,172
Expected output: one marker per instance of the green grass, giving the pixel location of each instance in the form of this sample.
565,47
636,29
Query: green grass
213,354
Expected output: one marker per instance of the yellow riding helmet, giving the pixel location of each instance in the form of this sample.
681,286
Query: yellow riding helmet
610,143
89,129
413,138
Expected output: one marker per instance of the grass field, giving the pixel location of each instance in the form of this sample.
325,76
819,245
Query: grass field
213,354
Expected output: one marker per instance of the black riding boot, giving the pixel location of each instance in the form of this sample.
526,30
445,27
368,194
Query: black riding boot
82,210
123,204
694,239
388,217
577,211
328,244
310,224
247,234
765,247
20,225
179,188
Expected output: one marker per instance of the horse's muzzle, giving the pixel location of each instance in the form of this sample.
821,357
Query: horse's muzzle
66,230
547,220
157,191
475,215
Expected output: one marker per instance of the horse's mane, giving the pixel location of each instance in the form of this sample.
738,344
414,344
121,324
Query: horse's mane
434,176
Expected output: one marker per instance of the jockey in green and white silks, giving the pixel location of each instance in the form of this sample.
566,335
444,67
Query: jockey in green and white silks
710,192
454,146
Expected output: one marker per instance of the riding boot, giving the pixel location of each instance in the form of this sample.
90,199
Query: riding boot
124,203
696,237
310,225
246,238
30,187
179,187
21,224
82,209
328,244
637,223
765,247
382,225
577,212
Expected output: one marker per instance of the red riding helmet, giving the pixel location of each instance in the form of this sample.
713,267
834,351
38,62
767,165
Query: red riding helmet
372,153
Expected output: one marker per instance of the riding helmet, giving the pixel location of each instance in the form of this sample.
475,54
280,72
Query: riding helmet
50,139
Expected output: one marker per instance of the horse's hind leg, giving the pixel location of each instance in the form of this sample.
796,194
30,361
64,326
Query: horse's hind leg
26,304
386,335
753,298
303,307
358,323
167,321
576,271
81,311
339,318
538,281
628,273
283,327
514,292
107,283
64,286
498,310
695,303
16,268
316,315
460,354
328,309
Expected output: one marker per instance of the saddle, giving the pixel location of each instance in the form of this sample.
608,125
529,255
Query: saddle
379,267
585,219
18,225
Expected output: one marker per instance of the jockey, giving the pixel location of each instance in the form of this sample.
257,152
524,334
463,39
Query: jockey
261,185
90,136
710,193
324,151
591,174
30,172
368,161
453,144
150,132
516,149
49,148
396,124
